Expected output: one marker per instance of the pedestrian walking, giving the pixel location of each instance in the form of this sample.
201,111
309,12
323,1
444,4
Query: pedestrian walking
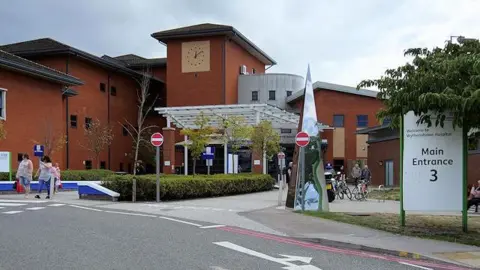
45,175
24,173
356,173
57,175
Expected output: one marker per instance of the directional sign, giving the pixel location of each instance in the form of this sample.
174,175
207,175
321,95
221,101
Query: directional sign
302,139
38,150
157,139
206,156
287,261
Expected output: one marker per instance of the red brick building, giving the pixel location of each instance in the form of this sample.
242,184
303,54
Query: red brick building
347,110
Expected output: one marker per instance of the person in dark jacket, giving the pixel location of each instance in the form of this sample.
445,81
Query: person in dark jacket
140,169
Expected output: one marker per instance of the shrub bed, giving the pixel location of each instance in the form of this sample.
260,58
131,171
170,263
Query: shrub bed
177,187
72,175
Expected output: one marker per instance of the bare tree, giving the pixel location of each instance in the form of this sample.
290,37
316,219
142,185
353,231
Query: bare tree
97,138
52,140
3,132
139,130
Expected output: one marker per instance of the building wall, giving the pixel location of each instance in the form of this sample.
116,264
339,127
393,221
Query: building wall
343,141
195,88
160,72
236,56
390,150
28,118
263,83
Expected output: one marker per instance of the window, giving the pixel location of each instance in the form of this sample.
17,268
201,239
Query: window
88,164
102,87
113,91
271,95
103,165
285,130
88,122
362,120
386,121
3,100
253,71
124,131
338,120
120,167
73,121
130,168
19,157
289,93
254,95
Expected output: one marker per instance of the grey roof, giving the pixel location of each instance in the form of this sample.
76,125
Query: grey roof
133,61
19,64
48,46
209,29
334,87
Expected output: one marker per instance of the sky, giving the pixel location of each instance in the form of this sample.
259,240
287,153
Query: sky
343,41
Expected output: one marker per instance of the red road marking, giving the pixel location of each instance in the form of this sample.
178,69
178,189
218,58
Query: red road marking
337,250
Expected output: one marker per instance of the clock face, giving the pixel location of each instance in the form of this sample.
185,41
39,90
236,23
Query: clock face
196,56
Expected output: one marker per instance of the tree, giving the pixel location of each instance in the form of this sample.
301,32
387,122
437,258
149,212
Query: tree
264,138
3,132
97,138
138,131
199,137
52,140
439,80
236,132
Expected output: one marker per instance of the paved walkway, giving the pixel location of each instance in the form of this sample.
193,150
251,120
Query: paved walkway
260,212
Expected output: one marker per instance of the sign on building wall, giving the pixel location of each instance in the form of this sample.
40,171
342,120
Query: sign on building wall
432,166
4,161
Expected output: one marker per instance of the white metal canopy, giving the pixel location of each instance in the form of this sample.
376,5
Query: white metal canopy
185,116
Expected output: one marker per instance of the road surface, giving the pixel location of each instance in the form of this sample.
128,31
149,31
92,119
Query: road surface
48,235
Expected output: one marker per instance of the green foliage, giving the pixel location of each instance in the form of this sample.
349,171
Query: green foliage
199,137
439,80
236,132
186,187
265,138
73,175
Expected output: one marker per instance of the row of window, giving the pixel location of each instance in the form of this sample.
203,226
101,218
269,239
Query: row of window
271,95
113,89
362,120
88,122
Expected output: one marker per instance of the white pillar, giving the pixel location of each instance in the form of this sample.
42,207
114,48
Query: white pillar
168,122
225,158
185,155
265,165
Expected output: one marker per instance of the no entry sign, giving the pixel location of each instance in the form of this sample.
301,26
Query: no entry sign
302,139
156,139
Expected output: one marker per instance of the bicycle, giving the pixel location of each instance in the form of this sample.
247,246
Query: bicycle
342,189
361,191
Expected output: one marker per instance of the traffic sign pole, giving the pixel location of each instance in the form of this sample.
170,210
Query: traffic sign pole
157,141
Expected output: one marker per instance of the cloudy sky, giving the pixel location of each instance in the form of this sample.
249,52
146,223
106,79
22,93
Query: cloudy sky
344,41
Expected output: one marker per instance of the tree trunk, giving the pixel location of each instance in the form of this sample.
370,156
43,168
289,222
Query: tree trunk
293,180
194,165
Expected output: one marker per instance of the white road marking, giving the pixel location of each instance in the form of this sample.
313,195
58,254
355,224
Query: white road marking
417,266
129,214
86,208
56,204
23,201
218,268
181,221
2,207
12,204
35,208
12,212
287,262
212,226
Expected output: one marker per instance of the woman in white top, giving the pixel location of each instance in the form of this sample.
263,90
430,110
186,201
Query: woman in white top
24,173
45,177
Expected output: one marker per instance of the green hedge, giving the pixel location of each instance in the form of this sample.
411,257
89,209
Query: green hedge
73,175
176,187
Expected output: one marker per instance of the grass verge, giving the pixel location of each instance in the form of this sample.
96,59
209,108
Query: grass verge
388,194
445,228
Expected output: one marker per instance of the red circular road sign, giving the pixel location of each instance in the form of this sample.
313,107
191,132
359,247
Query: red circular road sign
157,139
302,139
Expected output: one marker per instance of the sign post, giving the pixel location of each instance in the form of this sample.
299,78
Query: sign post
281,183
157,141
208,157
433,158
302,139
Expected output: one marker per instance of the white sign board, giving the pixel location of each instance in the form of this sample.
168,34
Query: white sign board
432,166
4,161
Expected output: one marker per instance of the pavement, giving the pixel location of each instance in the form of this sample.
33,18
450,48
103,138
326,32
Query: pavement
238,232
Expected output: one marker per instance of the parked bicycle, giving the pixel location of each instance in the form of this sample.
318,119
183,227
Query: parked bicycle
361,191
341,188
